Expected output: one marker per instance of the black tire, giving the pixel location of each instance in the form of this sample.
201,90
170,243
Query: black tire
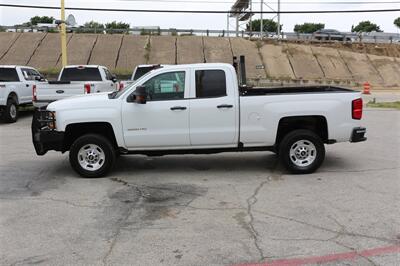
303,166
106,149
10,114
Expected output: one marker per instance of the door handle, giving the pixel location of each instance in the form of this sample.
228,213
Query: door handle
225,106
178,108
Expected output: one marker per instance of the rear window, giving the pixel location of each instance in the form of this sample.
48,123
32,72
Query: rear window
140,71
81,74
210,83
8,75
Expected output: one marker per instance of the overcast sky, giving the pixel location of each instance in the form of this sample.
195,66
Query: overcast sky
342,22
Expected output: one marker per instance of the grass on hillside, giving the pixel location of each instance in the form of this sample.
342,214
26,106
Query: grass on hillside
394,105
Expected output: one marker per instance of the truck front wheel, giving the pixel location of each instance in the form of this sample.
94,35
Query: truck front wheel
302,151
92,156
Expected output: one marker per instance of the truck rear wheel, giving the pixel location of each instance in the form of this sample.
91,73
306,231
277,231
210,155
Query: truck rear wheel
302,151
92,156
10,114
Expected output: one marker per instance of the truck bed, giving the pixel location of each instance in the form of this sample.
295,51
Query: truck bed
257,91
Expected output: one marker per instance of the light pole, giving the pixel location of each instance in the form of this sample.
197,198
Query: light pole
63,36
261,21
279,19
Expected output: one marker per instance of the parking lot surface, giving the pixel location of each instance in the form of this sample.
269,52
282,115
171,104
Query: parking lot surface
226,209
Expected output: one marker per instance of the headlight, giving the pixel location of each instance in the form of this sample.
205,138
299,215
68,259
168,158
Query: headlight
47,120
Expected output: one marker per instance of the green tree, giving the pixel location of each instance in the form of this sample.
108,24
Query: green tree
397,22
44,19
268,24
308,27
91,27
366,26
112,26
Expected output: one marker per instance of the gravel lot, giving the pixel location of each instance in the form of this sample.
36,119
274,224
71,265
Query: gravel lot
225,209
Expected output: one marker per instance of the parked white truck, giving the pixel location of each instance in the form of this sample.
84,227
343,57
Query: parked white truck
199,108
75,80
16,85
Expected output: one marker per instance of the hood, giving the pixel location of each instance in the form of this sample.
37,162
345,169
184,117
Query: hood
80,101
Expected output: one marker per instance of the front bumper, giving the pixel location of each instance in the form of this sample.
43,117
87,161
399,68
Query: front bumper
358,134
43,138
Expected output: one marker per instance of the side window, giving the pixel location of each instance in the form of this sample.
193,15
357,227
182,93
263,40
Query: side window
25,73
108,74
166,86
210,83
29,74
33,73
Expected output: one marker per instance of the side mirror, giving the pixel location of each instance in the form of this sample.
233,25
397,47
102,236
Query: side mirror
114,78
138,96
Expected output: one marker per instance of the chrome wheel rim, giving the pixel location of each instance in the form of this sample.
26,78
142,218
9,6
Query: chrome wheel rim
13,111
91,157
303,153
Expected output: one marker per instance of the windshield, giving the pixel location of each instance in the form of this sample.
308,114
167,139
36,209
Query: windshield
117,94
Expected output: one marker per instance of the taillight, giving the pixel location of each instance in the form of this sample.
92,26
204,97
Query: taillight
34,94
87,88
357,109
121,86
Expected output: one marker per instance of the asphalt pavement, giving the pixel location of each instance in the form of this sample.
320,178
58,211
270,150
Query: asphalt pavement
225,209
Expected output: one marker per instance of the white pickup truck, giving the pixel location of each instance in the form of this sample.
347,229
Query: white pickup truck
75,80
16,85
199,108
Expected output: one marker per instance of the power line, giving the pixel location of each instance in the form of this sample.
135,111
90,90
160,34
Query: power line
271,2
203,11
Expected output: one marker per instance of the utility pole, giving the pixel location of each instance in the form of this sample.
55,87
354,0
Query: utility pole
63,36
261,21
279,19
227,25
251,20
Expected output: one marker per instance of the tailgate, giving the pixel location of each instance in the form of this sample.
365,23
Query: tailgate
54,92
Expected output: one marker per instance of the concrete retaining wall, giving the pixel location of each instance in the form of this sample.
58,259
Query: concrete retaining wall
276,62
249,49
304,63
388,69
189,50
49,52
217,50
361,68
23,48
106,50
283,61
79,49
6,40
162,50
331,63
132,52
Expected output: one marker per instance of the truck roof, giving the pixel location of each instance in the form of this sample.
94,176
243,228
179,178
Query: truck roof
84,66
15,66
199,65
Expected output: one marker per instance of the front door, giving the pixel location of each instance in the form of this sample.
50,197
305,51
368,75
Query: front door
163,121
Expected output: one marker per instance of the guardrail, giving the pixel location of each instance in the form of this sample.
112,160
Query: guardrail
347,37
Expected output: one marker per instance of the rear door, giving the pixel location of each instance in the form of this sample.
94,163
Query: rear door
214,109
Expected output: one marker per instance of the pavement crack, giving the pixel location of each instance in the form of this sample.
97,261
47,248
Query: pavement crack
355,251
251,229
340,232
